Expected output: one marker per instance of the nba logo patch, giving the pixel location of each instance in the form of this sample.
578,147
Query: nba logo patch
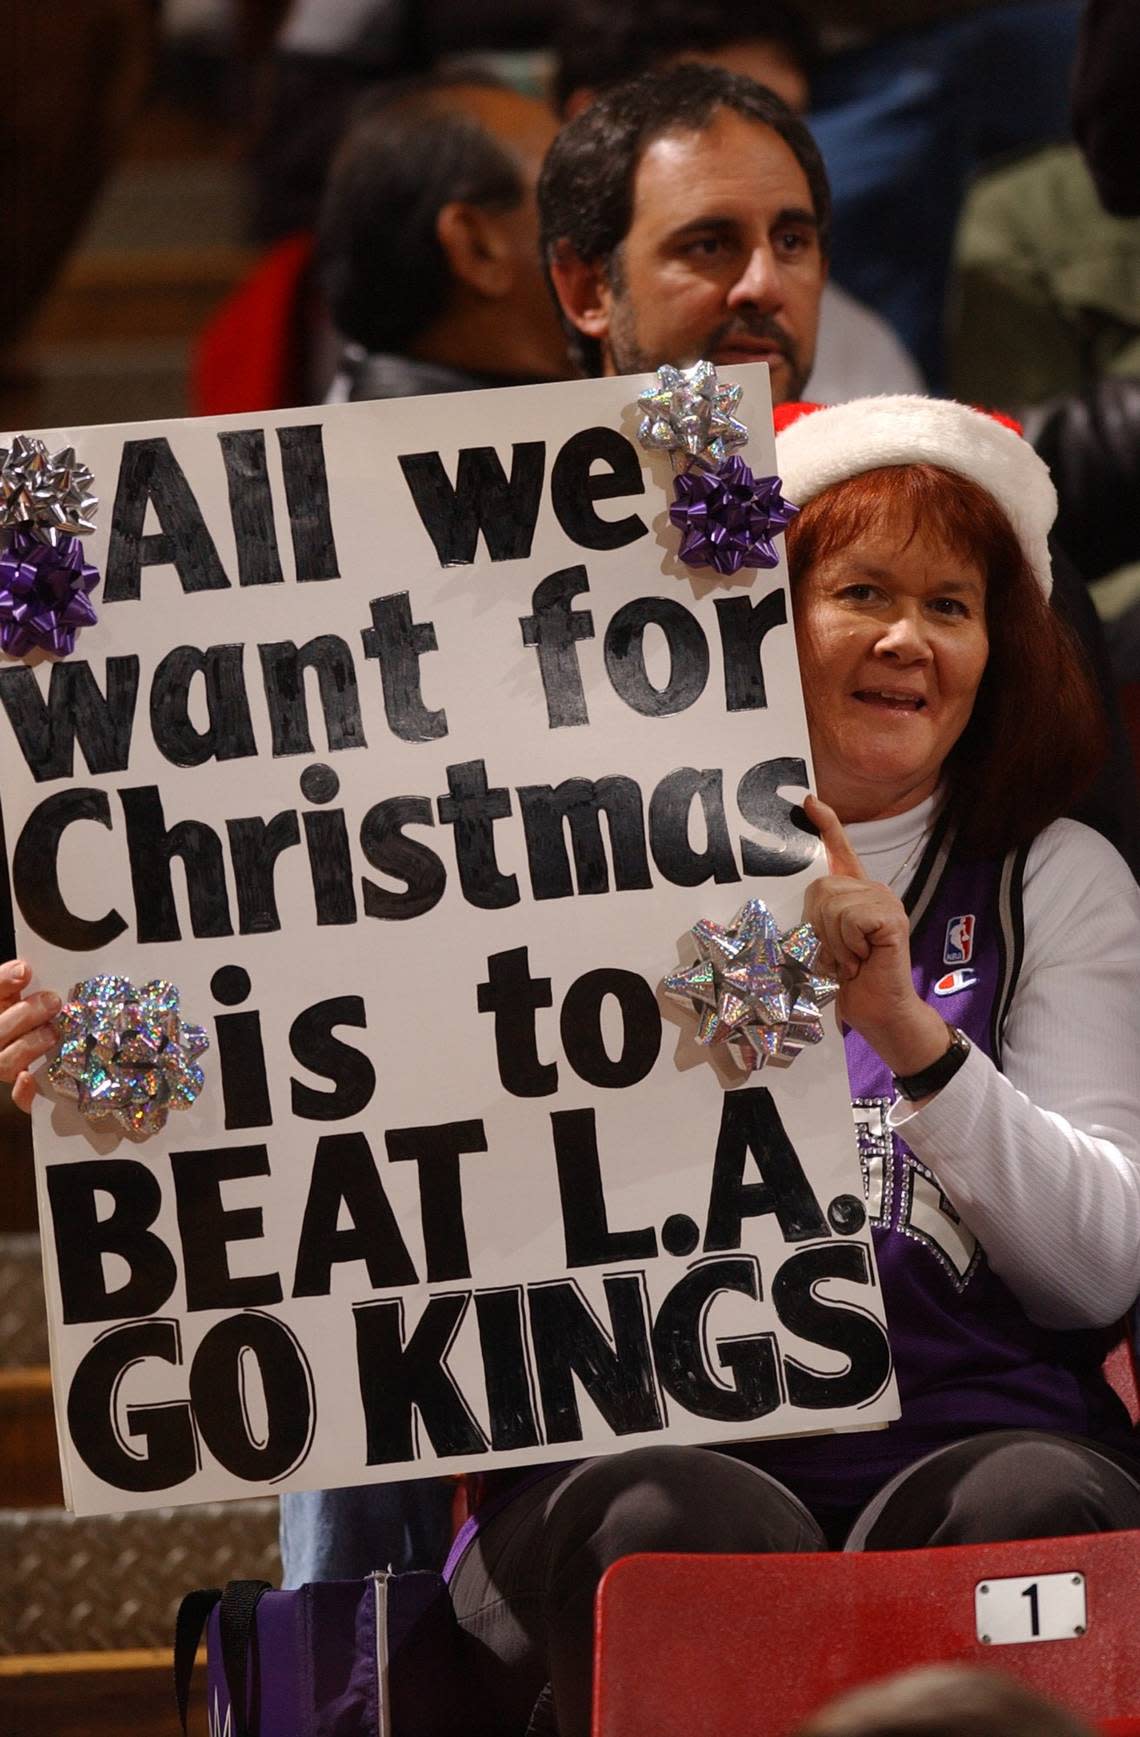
959,948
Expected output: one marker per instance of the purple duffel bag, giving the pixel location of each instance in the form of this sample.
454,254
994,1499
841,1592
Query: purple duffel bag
340,1658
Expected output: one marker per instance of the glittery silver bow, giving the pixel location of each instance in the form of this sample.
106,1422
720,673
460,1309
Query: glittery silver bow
45,493
126,1053
753,988
688,412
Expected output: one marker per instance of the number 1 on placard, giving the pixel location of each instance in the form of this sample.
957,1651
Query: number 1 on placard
1056,1608
1030,1593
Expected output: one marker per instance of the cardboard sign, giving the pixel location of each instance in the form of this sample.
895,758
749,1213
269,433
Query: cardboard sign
406,749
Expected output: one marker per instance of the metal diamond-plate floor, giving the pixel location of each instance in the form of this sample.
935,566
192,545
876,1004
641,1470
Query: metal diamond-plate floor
115,1580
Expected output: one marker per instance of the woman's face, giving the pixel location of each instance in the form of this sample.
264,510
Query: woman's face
892,642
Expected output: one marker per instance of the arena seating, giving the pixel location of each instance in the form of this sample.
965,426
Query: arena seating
749,1646
772,1638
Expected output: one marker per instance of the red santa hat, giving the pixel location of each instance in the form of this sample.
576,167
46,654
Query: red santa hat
818,445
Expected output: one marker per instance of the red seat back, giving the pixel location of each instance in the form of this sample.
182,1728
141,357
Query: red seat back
748,1646
251,355
1119,1370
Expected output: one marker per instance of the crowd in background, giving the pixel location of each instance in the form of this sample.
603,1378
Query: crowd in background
985,226
982,158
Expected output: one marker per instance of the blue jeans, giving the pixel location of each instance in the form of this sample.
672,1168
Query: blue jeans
345,1534
905,123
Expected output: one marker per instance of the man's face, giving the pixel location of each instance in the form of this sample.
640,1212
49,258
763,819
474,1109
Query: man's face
722,258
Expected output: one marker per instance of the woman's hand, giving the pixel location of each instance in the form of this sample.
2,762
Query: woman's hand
25,1031
866,943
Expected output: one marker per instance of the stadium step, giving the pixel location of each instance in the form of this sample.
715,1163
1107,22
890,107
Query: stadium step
29,1456
96,1695
112,1582
23,1316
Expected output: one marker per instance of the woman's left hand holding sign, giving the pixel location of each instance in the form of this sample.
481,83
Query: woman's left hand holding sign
26,1032
866,943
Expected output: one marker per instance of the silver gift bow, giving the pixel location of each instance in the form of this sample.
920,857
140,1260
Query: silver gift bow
753,988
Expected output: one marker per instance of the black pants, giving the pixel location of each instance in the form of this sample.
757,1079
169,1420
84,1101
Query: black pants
524,1591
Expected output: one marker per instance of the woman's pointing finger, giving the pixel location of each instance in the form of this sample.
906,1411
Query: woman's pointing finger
841,856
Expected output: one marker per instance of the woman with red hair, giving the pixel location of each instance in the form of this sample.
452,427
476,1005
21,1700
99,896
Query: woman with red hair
989,955
987,951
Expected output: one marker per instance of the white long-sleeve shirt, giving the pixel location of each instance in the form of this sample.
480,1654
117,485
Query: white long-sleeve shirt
857,353
1042,1160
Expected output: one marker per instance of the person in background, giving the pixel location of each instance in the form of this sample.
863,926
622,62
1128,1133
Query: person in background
1091,443
605,42
944,1701
687,214
1044,321
1105,81
596,46
328,53
910,100
1045,299
427,246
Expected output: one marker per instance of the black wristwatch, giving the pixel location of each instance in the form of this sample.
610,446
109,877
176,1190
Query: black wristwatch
933,1078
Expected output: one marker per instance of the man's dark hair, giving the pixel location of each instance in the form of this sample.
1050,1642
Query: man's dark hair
585,191
605,42
405,155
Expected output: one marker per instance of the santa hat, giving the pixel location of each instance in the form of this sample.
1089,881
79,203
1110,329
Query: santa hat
818,445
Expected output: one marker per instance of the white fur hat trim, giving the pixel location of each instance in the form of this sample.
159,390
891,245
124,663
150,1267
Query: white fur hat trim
826,446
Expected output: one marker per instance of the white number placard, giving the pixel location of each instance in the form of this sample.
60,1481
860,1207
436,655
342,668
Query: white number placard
1030,1607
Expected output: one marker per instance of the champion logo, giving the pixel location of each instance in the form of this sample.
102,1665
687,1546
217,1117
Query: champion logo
954,982
959,947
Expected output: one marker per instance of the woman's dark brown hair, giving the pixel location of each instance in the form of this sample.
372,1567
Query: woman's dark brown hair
1037,735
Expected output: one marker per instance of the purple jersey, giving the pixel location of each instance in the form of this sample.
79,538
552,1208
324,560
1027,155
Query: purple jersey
967,1356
